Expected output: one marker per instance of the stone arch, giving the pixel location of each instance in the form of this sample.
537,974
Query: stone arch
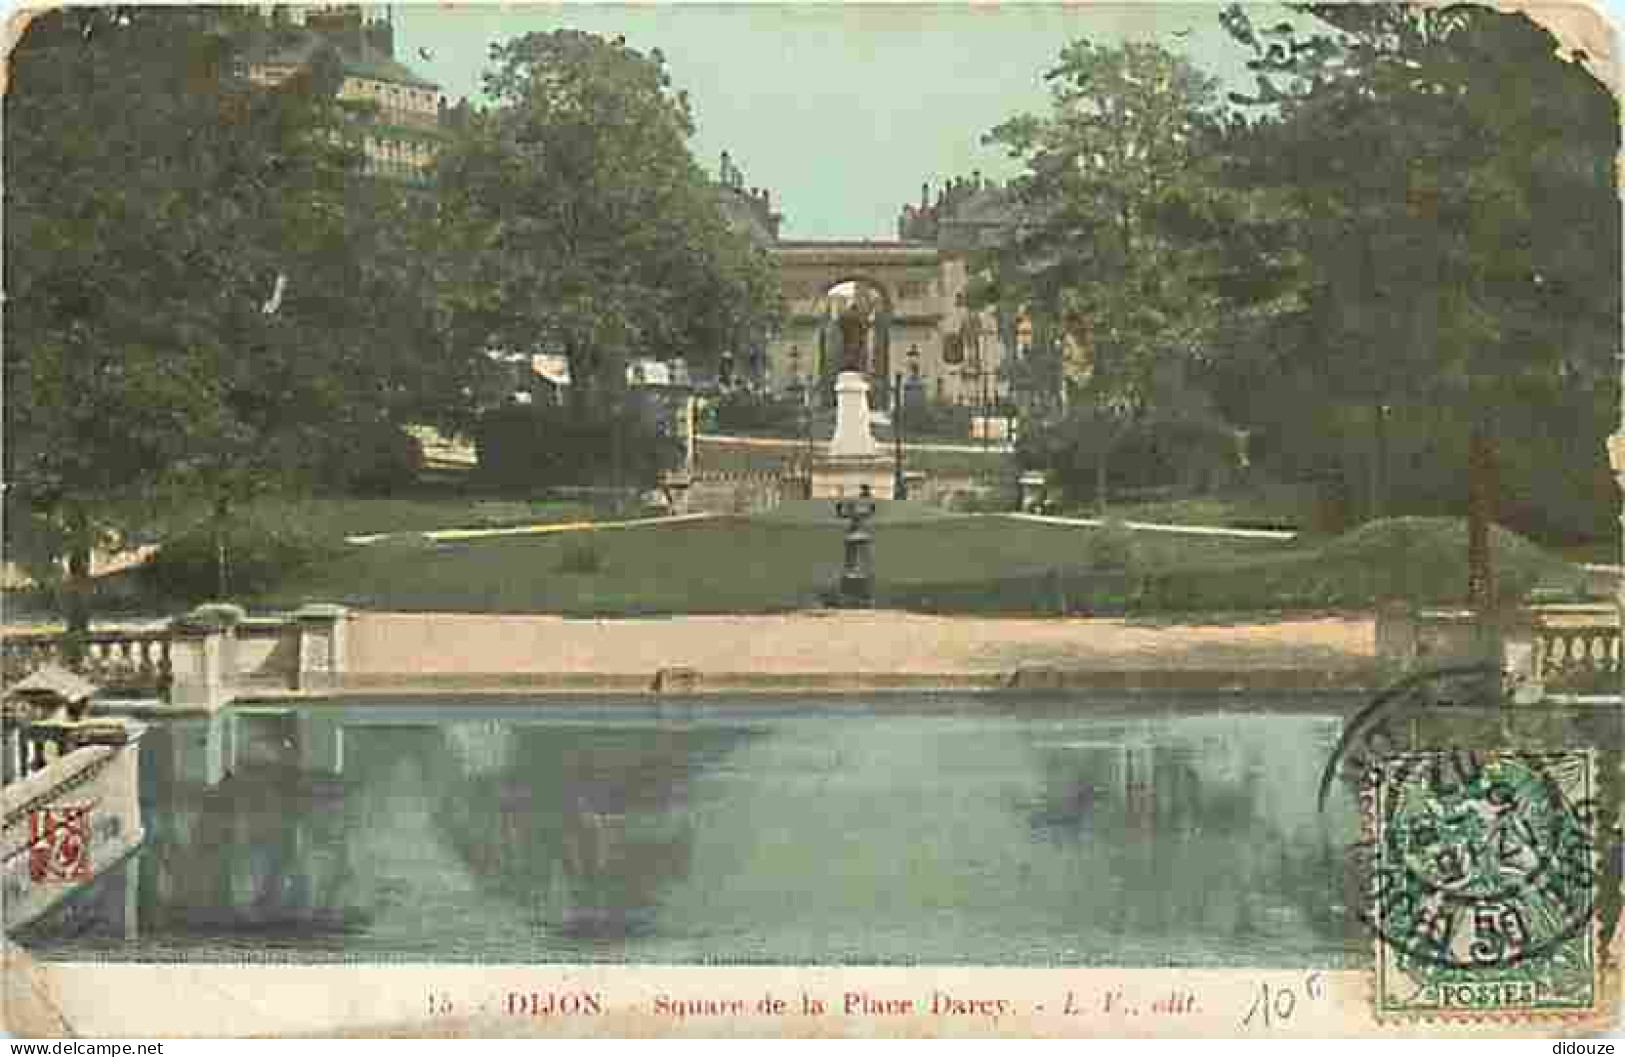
877,360
912,281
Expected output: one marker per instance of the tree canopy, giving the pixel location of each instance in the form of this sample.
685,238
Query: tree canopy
1448,175
206,293
1121,247
1397,254
597,233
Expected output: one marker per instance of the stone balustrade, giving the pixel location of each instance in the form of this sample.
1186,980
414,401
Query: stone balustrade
1544,649
1577,649
22,655
200,661
138,660
119,660
33,745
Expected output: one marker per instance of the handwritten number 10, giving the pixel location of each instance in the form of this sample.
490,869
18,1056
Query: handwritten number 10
1274,1006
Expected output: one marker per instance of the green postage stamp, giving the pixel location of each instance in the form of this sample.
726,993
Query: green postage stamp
1482,883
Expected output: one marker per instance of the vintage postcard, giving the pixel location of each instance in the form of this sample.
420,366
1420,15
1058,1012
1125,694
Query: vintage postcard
812,520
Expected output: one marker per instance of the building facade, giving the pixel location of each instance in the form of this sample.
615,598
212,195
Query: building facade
913,292
396,113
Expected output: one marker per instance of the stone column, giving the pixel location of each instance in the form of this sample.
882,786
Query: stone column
1397,634
1520,656
323,646
201,658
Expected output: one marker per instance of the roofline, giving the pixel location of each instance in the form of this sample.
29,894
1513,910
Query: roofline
850,244
411,80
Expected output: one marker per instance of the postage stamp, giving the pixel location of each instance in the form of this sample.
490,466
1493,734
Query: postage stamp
1483,883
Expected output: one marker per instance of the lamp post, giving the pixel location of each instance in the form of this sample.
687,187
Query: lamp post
914,394
987,408
807,431
989,391
857,587
900,484
804,385
914,382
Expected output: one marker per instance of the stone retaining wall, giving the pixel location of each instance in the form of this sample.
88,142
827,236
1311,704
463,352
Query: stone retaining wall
735,493
98,779
817,652
757,492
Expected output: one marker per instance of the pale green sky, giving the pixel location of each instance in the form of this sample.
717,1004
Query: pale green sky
840,110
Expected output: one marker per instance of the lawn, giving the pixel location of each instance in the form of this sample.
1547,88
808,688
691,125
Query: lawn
739,565
329,520
925,561
1602,552
1282,506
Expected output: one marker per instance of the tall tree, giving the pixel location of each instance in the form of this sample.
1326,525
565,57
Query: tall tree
204,291
1119,247
597,231
1453,172
123,191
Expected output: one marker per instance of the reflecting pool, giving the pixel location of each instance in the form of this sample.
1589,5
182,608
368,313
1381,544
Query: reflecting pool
933,829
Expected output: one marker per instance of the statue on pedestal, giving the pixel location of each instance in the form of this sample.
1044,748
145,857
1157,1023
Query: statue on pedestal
853,438
854,339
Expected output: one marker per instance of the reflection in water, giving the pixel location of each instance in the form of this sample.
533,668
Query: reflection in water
1207,820
954,832
246,835
581,837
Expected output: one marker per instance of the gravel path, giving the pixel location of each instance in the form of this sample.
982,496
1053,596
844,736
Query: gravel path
842,642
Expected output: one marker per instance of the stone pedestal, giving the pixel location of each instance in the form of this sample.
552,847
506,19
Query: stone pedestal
854,438
846,478
854,460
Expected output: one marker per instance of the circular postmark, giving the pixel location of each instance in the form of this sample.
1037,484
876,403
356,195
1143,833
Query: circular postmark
1375,732
1487,858
1481,860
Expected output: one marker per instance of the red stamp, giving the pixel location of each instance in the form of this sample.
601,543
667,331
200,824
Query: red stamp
59,844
